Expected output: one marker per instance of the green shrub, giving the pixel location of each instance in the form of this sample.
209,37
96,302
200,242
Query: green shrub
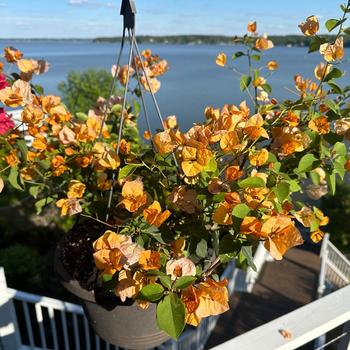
82,89
22,266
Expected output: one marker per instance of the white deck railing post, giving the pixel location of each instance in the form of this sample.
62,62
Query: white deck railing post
260,257
9,335
322,275
345,341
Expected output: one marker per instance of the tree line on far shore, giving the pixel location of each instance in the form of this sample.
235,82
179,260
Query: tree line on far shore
278,40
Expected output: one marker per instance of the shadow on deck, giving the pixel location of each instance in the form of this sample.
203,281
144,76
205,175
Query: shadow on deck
282,287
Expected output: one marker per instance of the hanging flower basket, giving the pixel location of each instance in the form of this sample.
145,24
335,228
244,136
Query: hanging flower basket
107,314
158,216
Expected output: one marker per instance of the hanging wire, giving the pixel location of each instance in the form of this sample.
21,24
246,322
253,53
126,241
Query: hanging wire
153,96
115,75
143,98
128,11
109,98
121,122
125,92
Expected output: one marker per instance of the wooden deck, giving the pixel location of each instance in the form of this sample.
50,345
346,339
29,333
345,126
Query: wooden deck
282,287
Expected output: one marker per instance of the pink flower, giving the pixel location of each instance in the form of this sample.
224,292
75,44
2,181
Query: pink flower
3,82
6,123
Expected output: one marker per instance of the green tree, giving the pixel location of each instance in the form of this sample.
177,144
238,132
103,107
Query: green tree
82,89
22,266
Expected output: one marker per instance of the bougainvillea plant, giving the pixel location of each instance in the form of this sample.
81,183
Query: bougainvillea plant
184,202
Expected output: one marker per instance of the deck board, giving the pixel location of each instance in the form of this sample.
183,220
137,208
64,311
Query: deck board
282,287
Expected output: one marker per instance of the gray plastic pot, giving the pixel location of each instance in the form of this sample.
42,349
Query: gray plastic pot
126,326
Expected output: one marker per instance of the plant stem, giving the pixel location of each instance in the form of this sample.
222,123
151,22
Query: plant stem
216,263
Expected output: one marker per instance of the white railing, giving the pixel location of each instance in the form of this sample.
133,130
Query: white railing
313,321
299,327
335,268
29,321
334,274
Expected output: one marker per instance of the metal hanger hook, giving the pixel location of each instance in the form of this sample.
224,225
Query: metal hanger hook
128,10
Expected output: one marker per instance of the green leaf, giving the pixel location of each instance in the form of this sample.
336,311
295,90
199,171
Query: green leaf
137,108
277,167
252,182
314,224
344,8
335,73
332,105
335,88
271,181
152,292
217,198
13,178
34,190
315,178
340,149
202,249
339,167
81,116
334,23
245,82
347,31
165,281
325,152
184,282
294,186
110,281
331,181
106,277
272,158
38,88
45,164
306,163
212,166
247,252
240,211
23,148
127,170
315,43
156,273
282,191
237,54
256,57
171,315
256,73
228,249
267,88
39,205
116,109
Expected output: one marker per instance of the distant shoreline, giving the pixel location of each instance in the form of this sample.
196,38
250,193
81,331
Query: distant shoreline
279,40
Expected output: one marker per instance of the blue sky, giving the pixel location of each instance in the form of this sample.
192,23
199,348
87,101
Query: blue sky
91,18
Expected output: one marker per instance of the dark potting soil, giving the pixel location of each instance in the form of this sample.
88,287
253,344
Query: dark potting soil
77,253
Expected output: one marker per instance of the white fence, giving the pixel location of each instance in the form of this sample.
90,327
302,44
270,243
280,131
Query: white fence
299,327
29,321
335,268
313,321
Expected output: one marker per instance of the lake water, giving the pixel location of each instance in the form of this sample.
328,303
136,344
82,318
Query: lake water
193,81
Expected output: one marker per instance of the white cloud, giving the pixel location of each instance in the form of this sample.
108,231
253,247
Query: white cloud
91,3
